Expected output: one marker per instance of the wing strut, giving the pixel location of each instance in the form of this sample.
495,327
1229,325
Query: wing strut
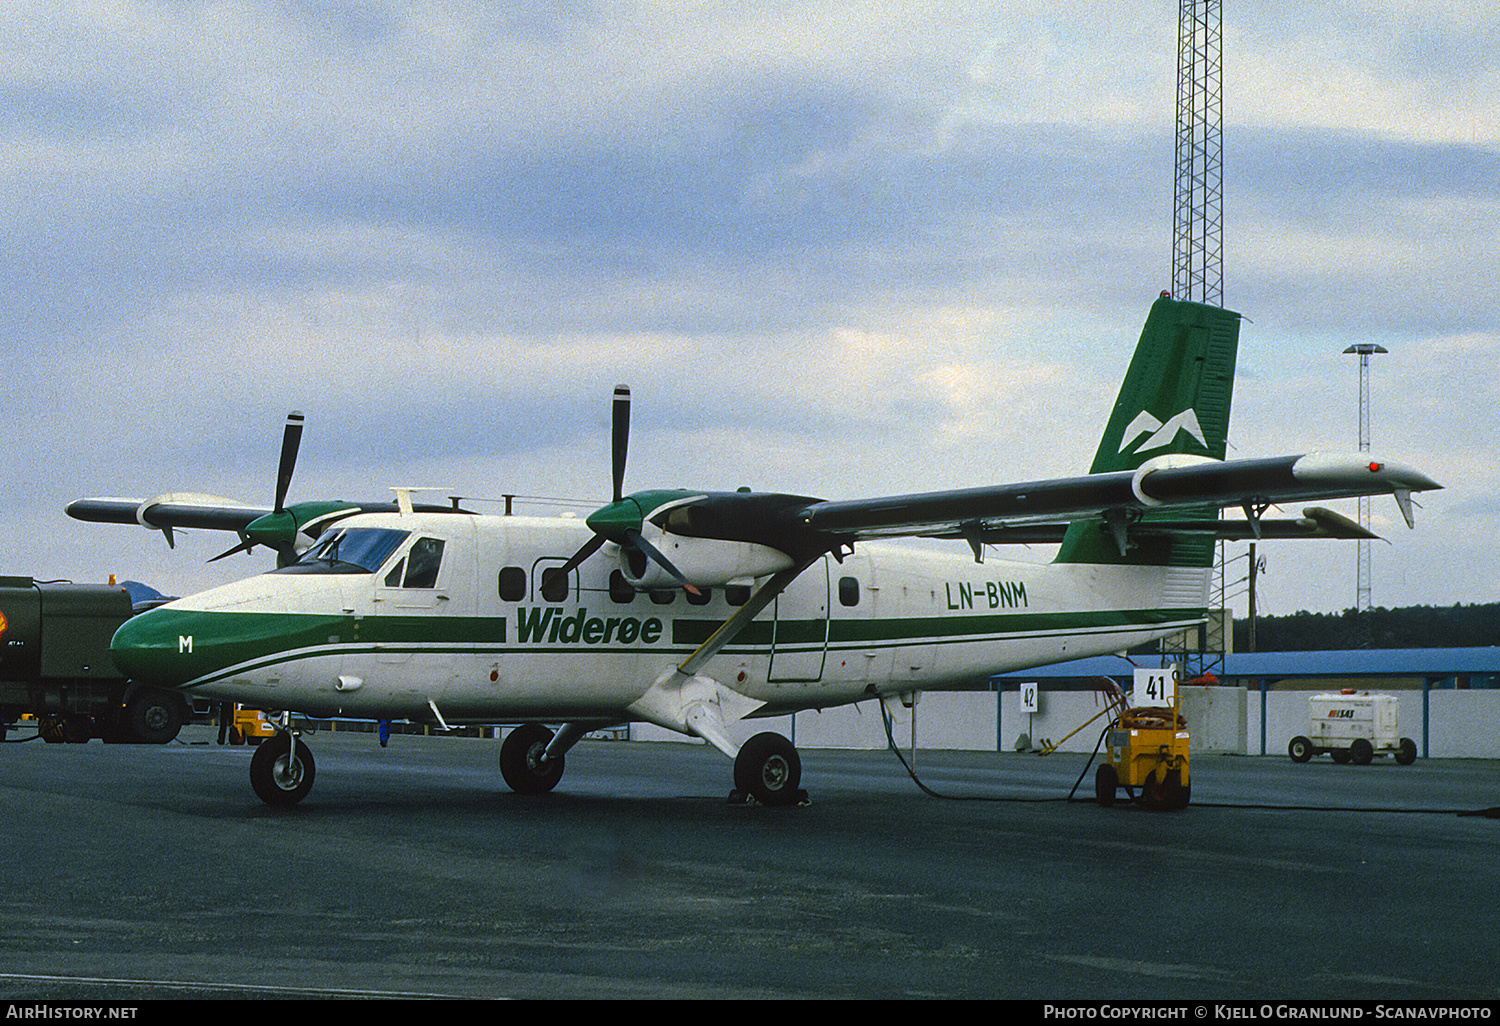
731,627
682,700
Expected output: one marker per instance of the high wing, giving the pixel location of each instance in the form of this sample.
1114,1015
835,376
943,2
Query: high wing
193,511
1171,495
165,512
280,527
1037,510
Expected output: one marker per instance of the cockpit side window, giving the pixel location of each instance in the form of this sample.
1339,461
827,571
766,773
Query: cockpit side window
423,562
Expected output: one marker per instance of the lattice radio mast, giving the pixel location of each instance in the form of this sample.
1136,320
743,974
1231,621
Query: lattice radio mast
1198,207
1198,221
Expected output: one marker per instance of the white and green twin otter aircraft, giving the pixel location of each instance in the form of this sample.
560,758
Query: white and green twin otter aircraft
695,610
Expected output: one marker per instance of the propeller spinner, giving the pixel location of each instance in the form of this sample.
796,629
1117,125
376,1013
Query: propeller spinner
621,521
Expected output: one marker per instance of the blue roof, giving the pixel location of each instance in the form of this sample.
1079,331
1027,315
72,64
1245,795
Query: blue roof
1357,662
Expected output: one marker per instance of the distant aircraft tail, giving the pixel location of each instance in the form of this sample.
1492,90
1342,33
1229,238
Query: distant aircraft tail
1174,400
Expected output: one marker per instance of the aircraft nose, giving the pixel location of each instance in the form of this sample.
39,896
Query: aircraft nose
156,647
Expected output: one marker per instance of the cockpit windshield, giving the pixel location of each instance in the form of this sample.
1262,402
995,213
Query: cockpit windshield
349,550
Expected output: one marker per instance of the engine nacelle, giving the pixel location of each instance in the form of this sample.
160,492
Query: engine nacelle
707,562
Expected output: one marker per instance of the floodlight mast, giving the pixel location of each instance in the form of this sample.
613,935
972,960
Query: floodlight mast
1362,571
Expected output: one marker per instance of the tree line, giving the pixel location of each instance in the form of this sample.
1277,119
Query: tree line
1457,626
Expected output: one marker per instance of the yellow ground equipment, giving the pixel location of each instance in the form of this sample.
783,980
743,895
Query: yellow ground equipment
1147,748
250,725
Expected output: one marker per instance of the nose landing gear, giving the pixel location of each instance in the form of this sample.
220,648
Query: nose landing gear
282,770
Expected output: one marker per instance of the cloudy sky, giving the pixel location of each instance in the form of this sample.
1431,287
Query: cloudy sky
841,250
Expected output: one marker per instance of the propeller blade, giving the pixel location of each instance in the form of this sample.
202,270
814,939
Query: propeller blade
639,541
291,438
590,547
244,546
620,436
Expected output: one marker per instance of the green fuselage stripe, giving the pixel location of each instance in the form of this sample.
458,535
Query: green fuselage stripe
184,646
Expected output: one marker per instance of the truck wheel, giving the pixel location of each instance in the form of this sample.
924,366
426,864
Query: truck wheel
1175,794
1340,756
153,717
1361,752
1300,749
1408,753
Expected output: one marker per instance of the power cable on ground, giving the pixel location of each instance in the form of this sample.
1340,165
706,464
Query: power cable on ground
1490,813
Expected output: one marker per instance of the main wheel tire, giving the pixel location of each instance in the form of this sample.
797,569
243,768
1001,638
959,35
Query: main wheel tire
1408,753
521,760
1300,749
769,769
1361,752
278,780
1106,784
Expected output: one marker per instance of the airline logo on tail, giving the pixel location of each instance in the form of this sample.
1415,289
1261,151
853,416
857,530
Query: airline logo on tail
1162,435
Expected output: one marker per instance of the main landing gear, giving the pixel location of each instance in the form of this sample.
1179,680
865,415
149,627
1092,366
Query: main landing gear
768,770
524,760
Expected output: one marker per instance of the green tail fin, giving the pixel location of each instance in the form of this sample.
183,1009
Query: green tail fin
1175,399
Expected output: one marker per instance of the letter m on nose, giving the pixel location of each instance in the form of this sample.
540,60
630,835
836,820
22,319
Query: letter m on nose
185,643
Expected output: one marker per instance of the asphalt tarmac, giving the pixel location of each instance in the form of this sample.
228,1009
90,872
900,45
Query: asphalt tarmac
133,873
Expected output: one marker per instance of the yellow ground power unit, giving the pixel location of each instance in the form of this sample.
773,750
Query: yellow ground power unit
1147,748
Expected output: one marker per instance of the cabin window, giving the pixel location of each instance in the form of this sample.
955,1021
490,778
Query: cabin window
512,584
620,590
554,584
849,591
663,596
737,594
422,563
700,599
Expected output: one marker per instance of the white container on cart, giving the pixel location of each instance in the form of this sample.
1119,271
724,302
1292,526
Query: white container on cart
1353,727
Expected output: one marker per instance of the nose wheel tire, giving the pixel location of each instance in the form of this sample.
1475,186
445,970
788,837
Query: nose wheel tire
278,779
769,770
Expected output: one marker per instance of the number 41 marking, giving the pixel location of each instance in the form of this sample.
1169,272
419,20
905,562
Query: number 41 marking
1156,687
